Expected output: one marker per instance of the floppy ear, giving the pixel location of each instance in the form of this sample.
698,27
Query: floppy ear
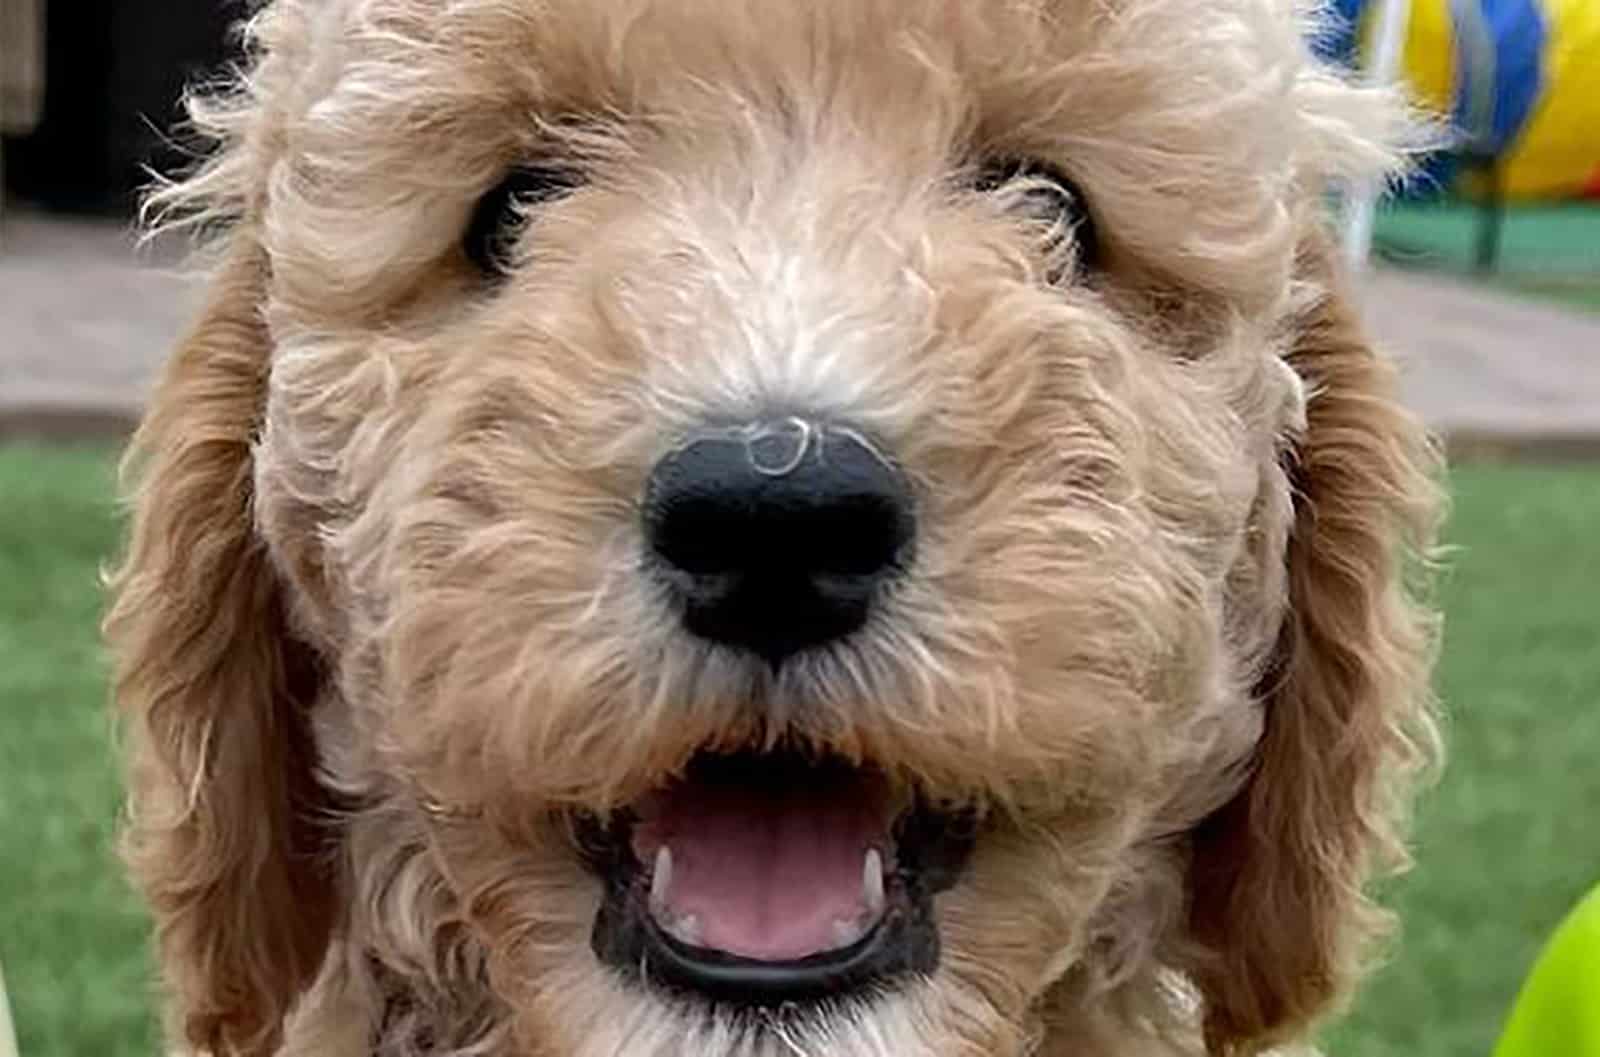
1277,875
213,691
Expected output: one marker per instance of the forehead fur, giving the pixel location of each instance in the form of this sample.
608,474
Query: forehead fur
380,113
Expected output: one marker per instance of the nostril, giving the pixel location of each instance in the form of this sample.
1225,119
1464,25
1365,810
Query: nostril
861,535
695,534
777,536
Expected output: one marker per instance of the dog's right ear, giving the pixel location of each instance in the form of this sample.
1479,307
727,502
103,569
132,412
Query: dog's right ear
213,691
1279,875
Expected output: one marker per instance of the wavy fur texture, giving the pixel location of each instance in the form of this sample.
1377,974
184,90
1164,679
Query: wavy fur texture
384,613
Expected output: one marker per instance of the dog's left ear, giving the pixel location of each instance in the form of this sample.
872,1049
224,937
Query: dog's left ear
1277,876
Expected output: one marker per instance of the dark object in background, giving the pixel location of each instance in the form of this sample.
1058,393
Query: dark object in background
114,73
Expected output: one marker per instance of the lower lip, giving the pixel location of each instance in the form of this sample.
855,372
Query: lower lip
730,979
903,944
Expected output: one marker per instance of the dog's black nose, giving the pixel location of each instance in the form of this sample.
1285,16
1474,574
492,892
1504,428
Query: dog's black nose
777,537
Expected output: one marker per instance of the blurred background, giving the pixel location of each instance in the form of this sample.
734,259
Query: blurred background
1483,275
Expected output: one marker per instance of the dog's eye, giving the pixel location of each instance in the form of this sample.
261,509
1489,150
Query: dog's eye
500,213
1046,194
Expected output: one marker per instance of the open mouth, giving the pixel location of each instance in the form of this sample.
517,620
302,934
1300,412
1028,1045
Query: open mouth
764,879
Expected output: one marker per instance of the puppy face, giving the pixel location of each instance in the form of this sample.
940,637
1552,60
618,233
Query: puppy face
789,509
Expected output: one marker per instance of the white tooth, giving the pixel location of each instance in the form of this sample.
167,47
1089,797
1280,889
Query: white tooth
846,933
661,881
872,881
686,929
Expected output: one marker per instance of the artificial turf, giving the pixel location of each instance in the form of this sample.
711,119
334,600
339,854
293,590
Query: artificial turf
1505,842
1548,250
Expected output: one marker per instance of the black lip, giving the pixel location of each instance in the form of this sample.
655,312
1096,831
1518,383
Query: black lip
931,851
904,942
896,945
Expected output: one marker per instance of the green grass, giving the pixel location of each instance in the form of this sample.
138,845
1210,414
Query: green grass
71,935
1505,843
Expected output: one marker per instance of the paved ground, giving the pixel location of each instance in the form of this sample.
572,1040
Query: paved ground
85,323
86,318
1490,371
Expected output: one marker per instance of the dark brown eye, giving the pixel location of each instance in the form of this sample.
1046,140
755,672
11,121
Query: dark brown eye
1044,193
500,214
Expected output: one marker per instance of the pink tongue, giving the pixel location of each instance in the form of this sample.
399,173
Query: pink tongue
767,871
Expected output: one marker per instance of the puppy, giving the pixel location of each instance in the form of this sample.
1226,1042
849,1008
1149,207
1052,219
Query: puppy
857,528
